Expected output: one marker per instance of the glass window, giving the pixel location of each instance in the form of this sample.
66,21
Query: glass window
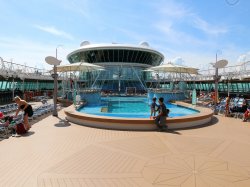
116,55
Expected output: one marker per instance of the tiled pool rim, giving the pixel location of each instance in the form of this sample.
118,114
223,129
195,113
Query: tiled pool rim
106,122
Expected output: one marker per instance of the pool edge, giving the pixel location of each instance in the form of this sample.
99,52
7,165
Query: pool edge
107,122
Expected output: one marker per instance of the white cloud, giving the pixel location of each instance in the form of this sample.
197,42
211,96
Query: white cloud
80,7
206,27
243,58
175,15
175,60
171,9
54,31
178,37
25,51
178,60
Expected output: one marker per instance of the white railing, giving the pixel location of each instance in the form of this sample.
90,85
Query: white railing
10,69
239,72
229,72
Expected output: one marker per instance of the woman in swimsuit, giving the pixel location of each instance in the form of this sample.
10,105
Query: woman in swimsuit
28,111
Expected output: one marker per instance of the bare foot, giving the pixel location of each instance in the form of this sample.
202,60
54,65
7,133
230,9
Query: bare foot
27,127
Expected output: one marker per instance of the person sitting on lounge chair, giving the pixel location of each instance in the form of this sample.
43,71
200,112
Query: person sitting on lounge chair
246,115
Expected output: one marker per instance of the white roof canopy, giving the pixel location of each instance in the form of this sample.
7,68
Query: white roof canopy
174,68
80,66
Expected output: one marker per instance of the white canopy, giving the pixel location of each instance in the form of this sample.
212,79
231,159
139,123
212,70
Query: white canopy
79,66
174,68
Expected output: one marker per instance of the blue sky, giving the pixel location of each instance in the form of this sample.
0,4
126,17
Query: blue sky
188,32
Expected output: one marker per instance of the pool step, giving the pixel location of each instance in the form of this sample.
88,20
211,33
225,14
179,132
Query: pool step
104,109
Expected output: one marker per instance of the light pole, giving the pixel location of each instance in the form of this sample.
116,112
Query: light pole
54,76
229,78
217,78
75,89
217,65
54,61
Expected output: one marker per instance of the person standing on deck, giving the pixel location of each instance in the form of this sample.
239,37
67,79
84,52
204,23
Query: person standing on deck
153,107
28,111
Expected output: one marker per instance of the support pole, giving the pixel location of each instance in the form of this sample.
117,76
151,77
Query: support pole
55,91
216,83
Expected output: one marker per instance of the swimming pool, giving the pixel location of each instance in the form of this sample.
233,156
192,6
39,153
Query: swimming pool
131,107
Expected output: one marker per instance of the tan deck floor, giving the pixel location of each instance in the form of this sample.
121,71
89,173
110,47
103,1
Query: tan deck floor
57,153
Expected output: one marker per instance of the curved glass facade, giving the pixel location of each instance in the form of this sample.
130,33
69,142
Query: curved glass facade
120,77
123,67
117,55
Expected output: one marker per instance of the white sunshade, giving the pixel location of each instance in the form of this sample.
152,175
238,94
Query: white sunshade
174,68
79,66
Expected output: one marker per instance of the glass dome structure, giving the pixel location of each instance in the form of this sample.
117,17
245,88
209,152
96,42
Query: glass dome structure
124,65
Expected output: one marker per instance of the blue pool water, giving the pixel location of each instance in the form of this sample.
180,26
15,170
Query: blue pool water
131,107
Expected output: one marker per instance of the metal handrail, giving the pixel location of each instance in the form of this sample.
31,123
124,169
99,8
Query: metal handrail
10,69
